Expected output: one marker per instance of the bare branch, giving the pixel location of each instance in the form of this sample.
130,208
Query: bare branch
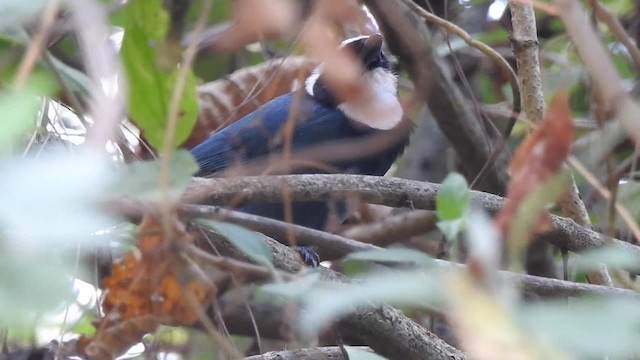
319,353
376,190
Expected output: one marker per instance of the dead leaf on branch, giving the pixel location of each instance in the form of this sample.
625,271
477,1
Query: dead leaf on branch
143,292
537,160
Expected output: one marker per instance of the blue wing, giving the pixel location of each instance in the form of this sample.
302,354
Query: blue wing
260,133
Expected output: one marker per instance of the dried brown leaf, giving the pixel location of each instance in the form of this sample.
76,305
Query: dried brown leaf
142,292
537,159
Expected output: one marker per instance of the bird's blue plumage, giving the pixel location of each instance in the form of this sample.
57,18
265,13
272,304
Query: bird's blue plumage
259,134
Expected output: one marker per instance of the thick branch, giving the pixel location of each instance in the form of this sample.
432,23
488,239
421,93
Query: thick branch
339,246
377,190
385,329
319,353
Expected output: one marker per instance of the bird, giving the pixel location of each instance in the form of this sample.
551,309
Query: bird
321,121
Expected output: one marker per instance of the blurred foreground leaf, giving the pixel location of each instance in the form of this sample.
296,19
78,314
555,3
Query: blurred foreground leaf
412,288
249,242
393,255
359,354
588,328
19,109
141,180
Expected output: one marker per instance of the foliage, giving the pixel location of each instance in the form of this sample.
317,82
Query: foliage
151,74
63,199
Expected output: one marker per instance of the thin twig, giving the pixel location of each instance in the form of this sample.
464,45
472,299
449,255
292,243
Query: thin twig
600,66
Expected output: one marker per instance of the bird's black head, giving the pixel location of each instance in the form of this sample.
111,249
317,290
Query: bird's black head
368,49
381,108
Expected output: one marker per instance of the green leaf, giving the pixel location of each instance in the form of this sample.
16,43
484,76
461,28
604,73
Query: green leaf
84,326
452,205
588,328
151,86
356,353
411,288
141,180
250,243
453,199
395,255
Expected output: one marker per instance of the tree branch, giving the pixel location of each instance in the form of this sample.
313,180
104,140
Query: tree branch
318,353
376,190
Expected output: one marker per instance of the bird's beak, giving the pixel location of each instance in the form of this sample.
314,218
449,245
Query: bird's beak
372,48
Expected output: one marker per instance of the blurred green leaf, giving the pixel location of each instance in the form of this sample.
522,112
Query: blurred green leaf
411,288
19,109
452,205
395,255
15,12
609,256
150,87
354,268
453,199
588,328
53,200
360,354
499,35
249,242
76,80
32,285
84,326
294,289
141,180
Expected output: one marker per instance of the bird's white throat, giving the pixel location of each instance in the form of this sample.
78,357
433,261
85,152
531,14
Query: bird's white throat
380,110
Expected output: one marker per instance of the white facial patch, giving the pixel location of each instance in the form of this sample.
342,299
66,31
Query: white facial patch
381,109
311,80
348,41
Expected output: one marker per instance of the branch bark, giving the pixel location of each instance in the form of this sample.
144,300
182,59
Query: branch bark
377,190
318,353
